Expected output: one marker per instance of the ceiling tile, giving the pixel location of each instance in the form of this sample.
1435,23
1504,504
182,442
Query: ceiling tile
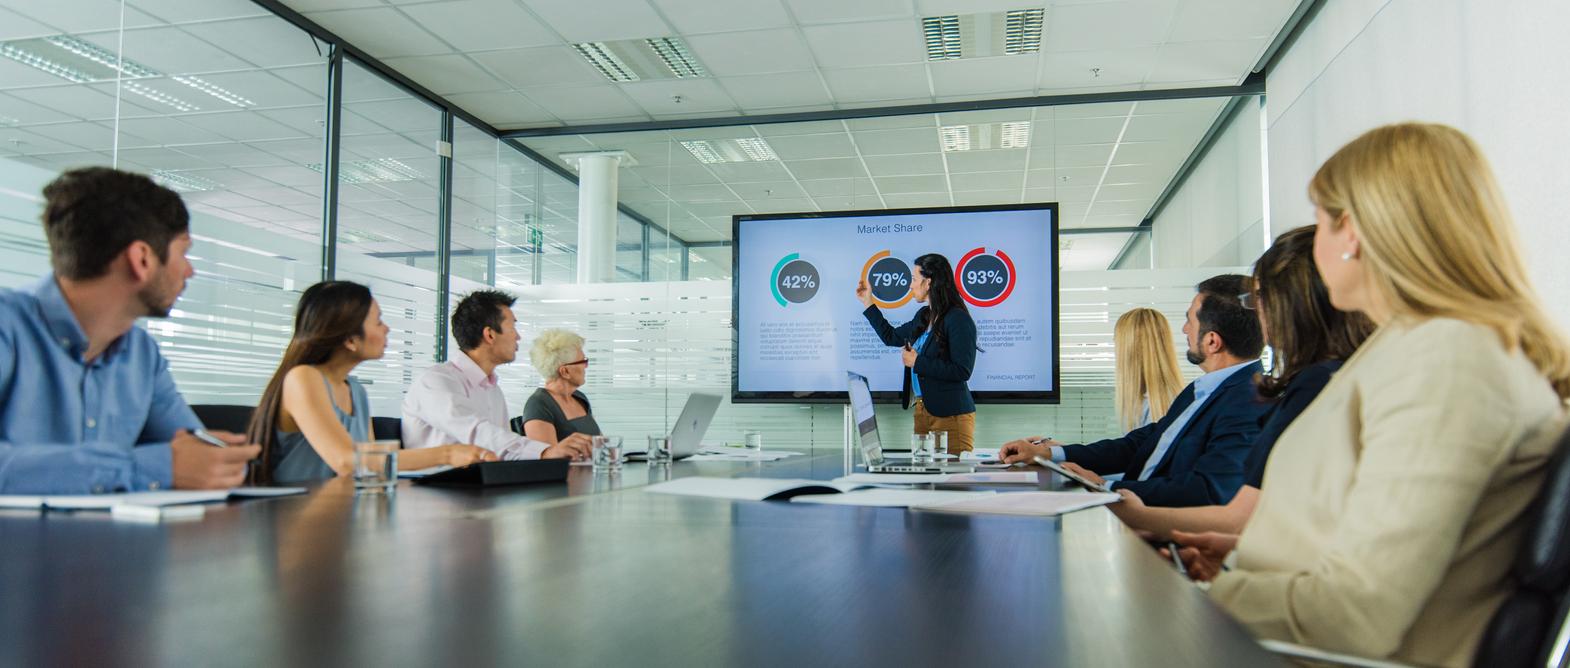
479,25
446,75
263,42
1206,60
167,130
751,172
896,142
762,91
836,168
16,26
1154,152
1103,130
893,122
985,161
542,66
866,44
1216,20
1108,25
501,109
608,20
1000,76
802,128
916,201
875,84
769,190
585,102
1117,67
901,165
979,197
808,12
751,52
85,16
381,32
242,126
809,147
170,50
988,181
838,187
659,98
693,17
1159,127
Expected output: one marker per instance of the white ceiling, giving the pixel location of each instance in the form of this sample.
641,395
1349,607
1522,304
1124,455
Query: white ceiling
1105,164
510,62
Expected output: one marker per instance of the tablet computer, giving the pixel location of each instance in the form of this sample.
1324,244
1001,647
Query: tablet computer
1082,480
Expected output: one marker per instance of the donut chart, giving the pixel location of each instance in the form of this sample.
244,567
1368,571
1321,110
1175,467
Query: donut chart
889,279
985,279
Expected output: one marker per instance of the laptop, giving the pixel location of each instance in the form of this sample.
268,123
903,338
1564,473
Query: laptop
867,426
689,428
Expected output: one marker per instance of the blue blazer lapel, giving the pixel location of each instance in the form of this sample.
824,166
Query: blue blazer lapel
1242,376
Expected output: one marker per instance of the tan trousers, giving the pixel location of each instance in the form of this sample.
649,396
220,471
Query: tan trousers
961,428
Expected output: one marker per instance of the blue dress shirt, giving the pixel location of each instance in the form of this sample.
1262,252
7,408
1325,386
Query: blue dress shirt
74,427
1204,386
915,381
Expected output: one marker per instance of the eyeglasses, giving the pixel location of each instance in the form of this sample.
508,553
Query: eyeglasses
584,361
1249,300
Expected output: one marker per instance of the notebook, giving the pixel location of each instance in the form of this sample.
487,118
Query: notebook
153,499
1024,503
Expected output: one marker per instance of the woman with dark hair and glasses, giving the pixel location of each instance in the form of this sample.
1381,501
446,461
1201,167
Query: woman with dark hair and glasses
1309,340
939,352
313,412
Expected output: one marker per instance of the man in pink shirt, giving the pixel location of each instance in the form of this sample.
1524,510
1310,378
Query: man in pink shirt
458,401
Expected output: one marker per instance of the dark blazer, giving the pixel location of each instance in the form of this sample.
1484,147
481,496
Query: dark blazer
1297,396
943,370
1204,466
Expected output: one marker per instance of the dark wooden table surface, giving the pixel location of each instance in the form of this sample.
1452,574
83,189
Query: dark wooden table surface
597,572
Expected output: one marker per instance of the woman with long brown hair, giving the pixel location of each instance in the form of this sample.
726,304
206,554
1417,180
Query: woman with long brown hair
1396,503
1146,372
1309,340
313,412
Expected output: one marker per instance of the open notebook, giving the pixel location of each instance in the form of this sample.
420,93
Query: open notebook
848,493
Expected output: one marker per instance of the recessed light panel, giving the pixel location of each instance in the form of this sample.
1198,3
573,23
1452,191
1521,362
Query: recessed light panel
1011,33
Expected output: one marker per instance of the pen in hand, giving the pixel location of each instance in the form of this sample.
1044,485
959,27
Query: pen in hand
1177,561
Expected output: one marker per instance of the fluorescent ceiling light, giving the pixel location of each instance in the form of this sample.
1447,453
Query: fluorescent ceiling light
744,149
694,257
703,151
216,91
1022,30
955,137
184,183
1015,134
114,68
31,59
942,36
601,57
101,56
673,52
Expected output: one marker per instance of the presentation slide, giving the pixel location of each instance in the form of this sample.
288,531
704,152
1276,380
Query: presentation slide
799,326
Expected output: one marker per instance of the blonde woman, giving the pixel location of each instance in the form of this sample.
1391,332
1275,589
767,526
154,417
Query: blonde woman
1147,367
558,410
1394,505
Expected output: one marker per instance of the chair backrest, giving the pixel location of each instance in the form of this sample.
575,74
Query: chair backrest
224,417
517,425
1522,632
388,429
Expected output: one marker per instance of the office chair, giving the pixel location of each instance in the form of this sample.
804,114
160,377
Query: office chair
224,417
388,429
1529,629
517,425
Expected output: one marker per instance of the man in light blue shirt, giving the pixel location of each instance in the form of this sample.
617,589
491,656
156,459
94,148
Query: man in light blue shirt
1196,454
87,404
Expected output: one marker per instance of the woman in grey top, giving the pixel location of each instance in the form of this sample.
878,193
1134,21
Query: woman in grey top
312,412
558,411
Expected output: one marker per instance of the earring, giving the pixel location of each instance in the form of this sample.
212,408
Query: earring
1347,256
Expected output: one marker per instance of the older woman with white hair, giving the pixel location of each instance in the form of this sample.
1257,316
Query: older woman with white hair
558,410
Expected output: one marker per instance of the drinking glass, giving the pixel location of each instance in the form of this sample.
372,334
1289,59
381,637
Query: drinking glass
607,454
375,467
920,447
754,441
659,450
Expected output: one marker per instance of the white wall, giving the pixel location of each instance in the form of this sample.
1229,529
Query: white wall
1497,69
1217,217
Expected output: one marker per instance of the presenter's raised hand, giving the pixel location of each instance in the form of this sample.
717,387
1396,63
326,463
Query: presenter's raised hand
864,292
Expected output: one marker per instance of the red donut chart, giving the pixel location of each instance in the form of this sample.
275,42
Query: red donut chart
959,281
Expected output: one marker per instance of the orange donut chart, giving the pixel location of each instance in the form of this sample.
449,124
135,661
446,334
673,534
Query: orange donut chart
867,269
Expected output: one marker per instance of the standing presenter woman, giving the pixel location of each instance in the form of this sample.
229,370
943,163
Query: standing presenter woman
939,352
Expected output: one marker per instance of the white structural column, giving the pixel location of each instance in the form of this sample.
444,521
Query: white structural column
597,213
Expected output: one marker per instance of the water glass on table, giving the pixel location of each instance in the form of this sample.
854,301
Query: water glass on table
659,450
607,454
920,447
375,467
940,443
754,441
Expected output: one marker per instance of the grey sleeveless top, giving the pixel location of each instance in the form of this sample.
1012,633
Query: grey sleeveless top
294,460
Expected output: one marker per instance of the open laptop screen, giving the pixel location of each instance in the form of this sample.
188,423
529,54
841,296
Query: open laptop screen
866,420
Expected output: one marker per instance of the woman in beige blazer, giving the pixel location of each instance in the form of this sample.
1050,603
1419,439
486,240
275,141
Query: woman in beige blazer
1393,506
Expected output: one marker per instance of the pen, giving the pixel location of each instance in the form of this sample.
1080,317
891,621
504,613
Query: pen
1039,441
1177,561
209,438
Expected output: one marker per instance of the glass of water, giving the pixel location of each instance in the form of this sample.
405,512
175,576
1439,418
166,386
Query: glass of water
754,441
607,453
659,450
375,467
940,443
920,447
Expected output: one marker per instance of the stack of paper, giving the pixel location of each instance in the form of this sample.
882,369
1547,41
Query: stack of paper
748,489
978,478
892,498
1024,503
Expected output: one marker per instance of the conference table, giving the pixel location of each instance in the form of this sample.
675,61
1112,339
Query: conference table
598,572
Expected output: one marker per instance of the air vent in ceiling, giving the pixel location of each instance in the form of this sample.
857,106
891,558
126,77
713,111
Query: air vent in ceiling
1010,33
642,59
1012,134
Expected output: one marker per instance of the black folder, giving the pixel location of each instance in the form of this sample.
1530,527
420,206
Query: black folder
489,474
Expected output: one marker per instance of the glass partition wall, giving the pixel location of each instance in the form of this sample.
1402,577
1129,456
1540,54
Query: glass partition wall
229,105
